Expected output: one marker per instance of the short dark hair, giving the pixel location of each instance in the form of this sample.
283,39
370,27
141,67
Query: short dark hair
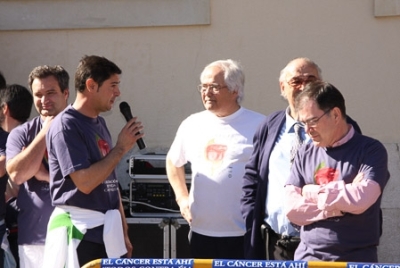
19,101
3,83
45,71
98,68
325,95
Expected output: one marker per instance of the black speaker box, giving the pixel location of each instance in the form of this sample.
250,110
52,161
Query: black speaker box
152,238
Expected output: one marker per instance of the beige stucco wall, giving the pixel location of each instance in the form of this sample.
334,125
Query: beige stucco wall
357,51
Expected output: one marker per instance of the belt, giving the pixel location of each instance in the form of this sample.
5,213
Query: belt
285,242
266,228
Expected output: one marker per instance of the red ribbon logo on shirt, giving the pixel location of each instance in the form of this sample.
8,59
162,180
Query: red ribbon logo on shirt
103,146
323,175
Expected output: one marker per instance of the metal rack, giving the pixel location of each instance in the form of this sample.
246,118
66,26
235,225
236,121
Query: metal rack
170,238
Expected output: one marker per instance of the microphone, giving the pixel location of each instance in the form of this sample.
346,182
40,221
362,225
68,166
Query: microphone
126,111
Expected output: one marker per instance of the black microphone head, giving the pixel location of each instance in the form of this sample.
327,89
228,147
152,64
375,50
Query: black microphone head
123,106
125,110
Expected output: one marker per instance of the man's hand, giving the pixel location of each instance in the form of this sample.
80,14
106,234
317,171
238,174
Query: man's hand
183,203
42,174
358,178
129,135
310,192
47,122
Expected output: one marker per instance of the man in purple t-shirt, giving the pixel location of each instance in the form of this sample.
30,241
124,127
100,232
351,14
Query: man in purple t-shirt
335,187
83,183
27,161
15,108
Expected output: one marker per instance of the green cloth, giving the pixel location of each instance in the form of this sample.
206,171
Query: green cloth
64,220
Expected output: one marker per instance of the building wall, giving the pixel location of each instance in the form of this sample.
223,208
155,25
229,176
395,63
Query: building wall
162,46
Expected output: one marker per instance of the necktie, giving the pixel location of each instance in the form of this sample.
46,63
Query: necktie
298,141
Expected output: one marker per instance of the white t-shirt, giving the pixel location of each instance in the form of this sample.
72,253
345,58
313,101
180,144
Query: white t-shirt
218,150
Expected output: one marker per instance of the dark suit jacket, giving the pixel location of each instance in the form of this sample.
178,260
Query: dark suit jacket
255,182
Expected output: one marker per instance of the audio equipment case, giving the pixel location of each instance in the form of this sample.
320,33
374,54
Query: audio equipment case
156,227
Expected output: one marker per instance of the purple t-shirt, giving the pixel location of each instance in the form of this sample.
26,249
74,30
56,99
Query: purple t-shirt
351,237
34,196
3,180
75,142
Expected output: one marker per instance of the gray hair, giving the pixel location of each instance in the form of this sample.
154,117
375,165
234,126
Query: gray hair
233,75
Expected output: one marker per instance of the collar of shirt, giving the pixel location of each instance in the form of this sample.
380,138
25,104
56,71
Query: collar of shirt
346,138
290,122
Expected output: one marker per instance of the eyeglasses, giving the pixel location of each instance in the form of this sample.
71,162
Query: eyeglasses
298,81
313,122
215,88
